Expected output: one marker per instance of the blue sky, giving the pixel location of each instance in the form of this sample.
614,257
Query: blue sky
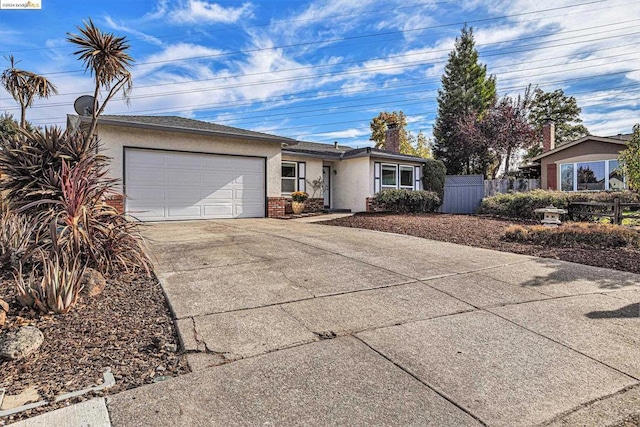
321,70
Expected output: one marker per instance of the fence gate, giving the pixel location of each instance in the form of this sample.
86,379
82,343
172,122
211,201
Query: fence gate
462,194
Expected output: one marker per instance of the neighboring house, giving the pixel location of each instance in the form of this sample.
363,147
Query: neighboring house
173,168
588,163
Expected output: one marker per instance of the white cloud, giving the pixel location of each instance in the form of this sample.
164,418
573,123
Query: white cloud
200,11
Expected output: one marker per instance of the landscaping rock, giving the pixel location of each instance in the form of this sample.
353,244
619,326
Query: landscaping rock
93,283
4,306
20,343
27,396
4,309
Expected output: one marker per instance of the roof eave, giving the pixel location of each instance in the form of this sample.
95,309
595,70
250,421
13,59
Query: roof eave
577,142
150,126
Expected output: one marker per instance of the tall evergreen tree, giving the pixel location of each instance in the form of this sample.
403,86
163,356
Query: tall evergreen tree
466,89
560,108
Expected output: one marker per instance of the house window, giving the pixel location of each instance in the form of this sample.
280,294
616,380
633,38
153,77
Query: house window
616,179
566,177
389,176
289,177
406,177
591,176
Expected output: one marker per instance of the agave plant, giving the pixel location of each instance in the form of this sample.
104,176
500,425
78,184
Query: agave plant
55,286
16,238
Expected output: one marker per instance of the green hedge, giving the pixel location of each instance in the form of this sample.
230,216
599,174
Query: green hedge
404,201
433,178
575,235
523,205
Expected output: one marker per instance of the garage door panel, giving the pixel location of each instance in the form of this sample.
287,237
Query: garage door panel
145,158
248,195
219,211
183,196
225,194
176,178
172,185
146,177
148,194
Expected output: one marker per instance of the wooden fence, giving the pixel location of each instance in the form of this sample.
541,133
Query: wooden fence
616,211
498,186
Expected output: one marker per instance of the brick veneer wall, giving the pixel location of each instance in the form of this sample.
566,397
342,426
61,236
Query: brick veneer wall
372,206
276,207
116,202
311,205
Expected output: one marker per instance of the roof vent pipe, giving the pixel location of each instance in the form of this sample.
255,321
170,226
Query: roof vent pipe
335,144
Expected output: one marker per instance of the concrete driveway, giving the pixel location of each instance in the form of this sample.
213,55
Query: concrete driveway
291,323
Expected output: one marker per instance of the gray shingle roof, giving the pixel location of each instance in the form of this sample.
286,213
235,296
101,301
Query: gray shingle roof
182,123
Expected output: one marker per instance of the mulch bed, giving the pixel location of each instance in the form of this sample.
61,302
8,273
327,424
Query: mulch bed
486,232
127,328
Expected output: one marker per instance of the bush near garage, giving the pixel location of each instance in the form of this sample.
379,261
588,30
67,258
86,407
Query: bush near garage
54,183
575,235
523,205
408,201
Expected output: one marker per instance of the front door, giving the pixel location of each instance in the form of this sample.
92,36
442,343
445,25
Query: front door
326,185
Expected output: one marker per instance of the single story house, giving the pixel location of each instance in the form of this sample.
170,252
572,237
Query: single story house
174,168
588,163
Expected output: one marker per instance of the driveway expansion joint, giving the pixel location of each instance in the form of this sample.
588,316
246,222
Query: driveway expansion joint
429,386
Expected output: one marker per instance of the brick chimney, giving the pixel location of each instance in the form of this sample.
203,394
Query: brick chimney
548,135
392,138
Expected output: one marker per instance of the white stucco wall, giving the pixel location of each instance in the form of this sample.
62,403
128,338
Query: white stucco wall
114,138
351,184
313,170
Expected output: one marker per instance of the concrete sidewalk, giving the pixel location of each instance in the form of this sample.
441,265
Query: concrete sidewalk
291,323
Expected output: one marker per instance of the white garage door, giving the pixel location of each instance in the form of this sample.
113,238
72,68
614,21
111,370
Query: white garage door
165,185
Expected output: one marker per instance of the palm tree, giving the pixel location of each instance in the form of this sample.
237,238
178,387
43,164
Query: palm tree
106,57
24,86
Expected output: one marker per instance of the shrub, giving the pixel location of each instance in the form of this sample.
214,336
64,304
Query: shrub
575,234
433,177
408,200
523,205
57,180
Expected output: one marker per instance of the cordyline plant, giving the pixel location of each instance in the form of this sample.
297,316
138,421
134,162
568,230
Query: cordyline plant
105,57
24,86
58,181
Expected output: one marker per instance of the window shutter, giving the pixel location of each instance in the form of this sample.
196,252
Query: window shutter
376,177
302,182
417,176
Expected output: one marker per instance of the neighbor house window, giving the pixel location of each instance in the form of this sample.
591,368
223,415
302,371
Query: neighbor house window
566,177
591,176
389,176
289,177
616,179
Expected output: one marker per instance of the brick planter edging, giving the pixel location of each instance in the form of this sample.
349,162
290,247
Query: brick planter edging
311,205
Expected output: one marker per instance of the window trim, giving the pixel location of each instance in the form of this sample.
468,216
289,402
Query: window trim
289,178
382,184
406,168
377,177
607,172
